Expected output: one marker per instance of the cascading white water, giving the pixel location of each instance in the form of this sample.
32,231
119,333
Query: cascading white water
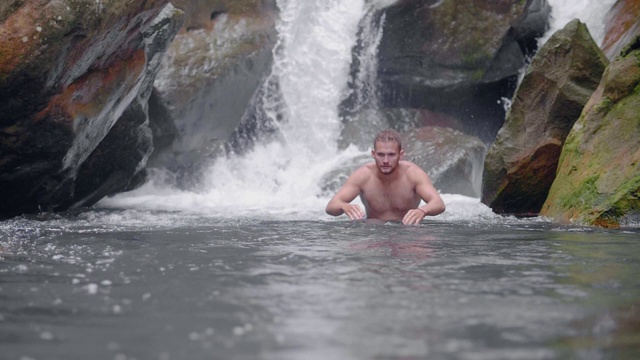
590,12
311,64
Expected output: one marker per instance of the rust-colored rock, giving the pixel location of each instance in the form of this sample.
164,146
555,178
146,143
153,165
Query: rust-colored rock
68,71
622,24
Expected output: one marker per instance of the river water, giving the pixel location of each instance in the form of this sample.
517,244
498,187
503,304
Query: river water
248,266
128,284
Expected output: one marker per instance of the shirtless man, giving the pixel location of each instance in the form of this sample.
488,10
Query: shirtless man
390,188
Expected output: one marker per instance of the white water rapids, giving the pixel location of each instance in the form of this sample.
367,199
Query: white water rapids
312,62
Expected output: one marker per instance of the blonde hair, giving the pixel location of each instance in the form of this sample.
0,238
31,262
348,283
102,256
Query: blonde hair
388,135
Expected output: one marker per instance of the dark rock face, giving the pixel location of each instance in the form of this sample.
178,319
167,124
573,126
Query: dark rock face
521,164
458,57
118,162
68,71
598,177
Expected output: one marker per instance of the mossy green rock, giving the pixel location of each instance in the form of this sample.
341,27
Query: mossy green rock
598,177
520,165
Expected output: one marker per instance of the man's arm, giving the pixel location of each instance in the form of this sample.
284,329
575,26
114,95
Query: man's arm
340,203
428,193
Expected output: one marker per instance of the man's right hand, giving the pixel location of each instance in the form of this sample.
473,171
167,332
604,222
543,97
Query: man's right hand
354,212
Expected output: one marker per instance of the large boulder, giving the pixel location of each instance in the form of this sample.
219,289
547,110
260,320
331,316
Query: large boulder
458,57
598,177
211,71
68,72
622,24
452,159
520,165
119,162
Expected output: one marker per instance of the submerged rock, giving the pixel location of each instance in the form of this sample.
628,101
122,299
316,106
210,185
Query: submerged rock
598,177
520,165
68,71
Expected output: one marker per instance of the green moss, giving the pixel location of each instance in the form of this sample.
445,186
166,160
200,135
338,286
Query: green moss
604,106
585,194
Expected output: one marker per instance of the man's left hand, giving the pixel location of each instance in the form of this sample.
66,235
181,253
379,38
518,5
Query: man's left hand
413,217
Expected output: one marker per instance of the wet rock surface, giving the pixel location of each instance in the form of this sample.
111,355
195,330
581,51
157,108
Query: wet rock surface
598,177
521,164
68,71
458,57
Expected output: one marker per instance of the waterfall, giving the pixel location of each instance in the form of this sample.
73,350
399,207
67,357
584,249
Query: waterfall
590,12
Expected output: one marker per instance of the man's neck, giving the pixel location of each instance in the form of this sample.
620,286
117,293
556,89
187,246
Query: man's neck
390,177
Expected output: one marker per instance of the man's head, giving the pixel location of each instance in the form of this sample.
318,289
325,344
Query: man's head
387,151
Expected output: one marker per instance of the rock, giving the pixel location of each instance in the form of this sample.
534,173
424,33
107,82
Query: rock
452,159
457,57
118,162
520,165
360,129
212,70
598,177
68,71
622,24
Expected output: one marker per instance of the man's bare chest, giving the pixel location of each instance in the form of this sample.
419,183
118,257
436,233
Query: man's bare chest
395,197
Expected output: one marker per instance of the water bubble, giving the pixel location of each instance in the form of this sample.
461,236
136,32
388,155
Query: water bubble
92,289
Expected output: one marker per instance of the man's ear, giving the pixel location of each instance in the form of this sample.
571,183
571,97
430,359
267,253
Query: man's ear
401,154
373,153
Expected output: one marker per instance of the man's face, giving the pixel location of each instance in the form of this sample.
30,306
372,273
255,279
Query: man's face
387,155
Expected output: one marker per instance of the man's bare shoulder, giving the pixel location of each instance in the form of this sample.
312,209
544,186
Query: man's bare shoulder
409,166
412,170
364,171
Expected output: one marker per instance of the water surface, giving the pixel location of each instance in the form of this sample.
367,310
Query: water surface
124,284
